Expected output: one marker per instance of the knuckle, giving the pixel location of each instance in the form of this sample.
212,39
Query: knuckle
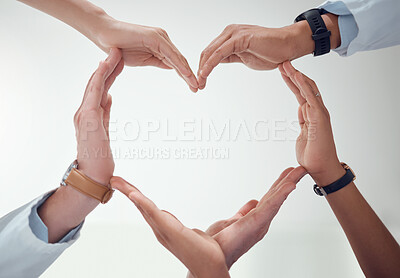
232,27
160,31
205,52
77,117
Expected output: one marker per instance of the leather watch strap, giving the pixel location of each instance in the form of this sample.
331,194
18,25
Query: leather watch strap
89,187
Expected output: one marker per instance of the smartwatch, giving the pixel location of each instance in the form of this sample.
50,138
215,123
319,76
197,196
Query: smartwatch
73,177
337,185
320,34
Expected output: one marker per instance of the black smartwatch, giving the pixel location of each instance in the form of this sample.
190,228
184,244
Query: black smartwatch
337,185
320,34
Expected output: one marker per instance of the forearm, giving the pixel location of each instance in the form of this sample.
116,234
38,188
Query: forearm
82,15
65,210
301,40
376,250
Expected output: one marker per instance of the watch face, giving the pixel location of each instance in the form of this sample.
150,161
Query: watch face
72,166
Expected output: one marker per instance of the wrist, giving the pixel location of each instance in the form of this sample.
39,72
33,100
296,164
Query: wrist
330,175
300,38
331,22
96,174
99,26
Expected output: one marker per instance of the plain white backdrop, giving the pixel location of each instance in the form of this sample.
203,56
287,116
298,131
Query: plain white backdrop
45,66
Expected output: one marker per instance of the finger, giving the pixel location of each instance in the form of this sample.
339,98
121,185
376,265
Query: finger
106,115
288,183
294,89
289,172
247,208
309,90
281,176
224,51
309,93
222,224
214,45
176,59
307,87
146,207
156,62
300,116
87,88
110,80
122,185
96,86
304,112
164,223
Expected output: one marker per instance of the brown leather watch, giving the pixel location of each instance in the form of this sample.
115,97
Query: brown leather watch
73,177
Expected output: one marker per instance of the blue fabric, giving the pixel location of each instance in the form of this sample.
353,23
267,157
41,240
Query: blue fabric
347,24
39,228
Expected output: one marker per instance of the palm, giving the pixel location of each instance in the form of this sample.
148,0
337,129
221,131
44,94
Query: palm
92,118
315,146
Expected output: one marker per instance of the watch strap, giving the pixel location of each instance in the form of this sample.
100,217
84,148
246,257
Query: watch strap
337,185
87,186
320,34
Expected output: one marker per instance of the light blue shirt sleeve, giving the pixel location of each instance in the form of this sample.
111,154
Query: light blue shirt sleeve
39,228
366,24
23,237
347,24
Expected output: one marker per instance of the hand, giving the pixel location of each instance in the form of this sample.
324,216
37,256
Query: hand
145,46
232,237
257,47
92,118
262,48
315,147
199,252
240,233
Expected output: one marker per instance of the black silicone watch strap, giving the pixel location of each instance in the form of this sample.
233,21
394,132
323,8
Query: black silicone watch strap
333,187
320,34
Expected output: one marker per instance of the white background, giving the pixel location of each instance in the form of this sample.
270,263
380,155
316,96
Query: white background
45,66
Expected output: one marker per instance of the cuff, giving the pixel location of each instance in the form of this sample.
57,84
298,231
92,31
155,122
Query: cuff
347,24
40,230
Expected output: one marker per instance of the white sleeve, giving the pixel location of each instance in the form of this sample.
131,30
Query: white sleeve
378,23
23,254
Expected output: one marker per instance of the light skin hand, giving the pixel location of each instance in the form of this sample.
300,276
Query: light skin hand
376,250
226,240
67,207
145,46
195,249
262,48
140,45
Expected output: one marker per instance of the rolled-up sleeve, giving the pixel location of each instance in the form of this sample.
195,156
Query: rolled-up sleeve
366,24
23,237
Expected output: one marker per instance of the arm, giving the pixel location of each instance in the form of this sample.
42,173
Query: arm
373,24
376,250
67,207
22,232
21,239
355,26
140,45
211,254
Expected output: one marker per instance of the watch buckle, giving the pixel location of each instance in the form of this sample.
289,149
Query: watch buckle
319,190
